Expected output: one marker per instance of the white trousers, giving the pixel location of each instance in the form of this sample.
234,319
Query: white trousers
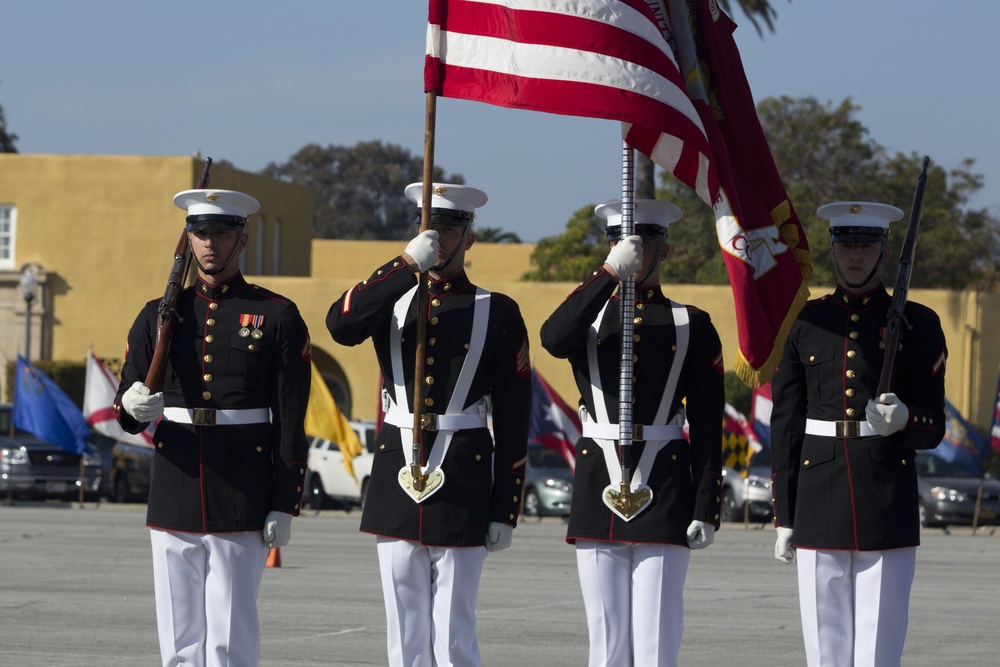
855,605
430,603
634,598
206,589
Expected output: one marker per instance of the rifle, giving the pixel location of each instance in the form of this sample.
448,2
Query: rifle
167,312
896,318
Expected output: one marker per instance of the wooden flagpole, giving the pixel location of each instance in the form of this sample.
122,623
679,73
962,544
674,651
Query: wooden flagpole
416,473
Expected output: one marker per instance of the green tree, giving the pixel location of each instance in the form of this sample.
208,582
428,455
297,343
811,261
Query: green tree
359,189
6,139
574,253
495,235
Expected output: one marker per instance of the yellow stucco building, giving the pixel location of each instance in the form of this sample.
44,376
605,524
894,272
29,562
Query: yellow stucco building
100,231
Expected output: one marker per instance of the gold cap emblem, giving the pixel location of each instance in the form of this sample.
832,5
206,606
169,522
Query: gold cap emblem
211,196
855,208
440,190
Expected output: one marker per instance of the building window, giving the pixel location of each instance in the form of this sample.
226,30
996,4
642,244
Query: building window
8,223
276,249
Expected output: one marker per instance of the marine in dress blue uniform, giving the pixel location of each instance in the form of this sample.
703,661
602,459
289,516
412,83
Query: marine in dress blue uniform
230,449
476,365
632,571
843,475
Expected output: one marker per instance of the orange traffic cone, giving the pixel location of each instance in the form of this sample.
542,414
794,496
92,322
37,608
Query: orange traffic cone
274,557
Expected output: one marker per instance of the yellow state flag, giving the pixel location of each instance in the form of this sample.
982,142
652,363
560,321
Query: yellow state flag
324,420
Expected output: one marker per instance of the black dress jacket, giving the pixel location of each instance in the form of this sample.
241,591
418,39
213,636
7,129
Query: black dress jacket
686,477
212,479
484,475
853,493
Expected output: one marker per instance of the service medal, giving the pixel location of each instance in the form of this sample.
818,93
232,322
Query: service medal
244,332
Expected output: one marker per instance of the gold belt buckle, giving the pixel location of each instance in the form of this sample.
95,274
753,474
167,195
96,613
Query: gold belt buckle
848,429
203,416
637,432
428,422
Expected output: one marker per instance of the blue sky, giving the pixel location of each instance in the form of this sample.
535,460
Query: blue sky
253,81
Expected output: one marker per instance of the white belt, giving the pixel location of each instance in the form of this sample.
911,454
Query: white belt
839,429
213,417
474,418
595,430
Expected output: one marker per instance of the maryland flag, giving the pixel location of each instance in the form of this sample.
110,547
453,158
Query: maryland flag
739,442
324,420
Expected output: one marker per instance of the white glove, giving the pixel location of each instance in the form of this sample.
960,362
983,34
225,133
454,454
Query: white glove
423,249
700,534
498,536
626,257
783,549
277,529
142,405
888,415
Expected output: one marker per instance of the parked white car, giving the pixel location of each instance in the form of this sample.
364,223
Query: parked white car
327,481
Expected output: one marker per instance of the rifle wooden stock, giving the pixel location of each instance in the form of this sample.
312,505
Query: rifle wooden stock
896,319
167,312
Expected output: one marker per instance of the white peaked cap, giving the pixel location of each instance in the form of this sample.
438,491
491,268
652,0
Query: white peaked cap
216,202
859,214
647,212
447,195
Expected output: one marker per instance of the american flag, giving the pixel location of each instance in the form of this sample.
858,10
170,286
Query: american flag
590,58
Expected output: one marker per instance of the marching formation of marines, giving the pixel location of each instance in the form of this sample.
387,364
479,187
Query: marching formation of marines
228,395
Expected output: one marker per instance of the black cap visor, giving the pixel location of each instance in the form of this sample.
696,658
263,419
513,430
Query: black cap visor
845,234
215,222
645,231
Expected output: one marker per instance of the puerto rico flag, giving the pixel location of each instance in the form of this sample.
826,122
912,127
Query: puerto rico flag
760,414
995,430
553,423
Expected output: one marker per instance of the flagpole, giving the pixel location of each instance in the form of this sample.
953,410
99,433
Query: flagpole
626,296
416,472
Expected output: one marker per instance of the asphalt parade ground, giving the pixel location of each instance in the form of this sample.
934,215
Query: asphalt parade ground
76,589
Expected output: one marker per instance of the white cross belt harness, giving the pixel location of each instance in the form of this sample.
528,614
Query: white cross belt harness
213,417
839,429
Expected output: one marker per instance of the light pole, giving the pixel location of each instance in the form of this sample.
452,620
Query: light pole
29,289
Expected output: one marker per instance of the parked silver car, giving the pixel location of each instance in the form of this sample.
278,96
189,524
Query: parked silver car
548,483
755,488
948,494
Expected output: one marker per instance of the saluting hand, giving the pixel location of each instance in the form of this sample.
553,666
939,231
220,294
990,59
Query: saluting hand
625,258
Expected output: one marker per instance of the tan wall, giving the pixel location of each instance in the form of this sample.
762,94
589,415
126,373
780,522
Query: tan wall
102,231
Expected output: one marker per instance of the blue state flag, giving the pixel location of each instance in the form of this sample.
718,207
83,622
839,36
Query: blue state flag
44,410
962,443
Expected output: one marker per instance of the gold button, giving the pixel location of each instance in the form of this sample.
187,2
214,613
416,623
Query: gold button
853,335
225,288
160,445
207,377
673,456
259,448
635,338
379,272
299,489
395,263
296,505
850,412
479,457
381,446
210,322
434,320
433,341
849,393
213,306
251,347
206,395
516,499
209,338
447,287
854,317
649,294
511,517
850,374
881,345
584,451
518,482
673,348
806,462
430,361
718,499
635,358
640,306
428,401
595,273
866,300
716,516
466,346
429,380
812,357
435,302
846,298
638,320
903,462
851,354
302,471
208,358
